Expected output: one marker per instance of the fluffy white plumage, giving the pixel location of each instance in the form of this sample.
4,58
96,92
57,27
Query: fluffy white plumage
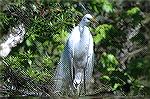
76,64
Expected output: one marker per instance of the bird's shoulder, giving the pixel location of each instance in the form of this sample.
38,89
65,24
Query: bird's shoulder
75,34
75,29
86,29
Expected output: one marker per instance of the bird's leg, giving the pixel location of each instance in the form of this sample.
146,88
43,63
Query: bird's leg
71,71
72,64
77,83
77,87
84,81
72,76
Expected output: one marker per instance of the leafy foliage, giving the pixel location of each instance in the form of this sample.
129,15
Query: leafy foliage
121,39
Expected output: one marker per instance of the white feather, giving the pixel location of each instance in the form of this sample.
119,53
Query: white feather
76,58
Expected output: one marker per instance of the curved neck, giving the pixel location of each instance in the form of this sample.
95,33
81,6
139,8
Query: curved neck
82,23
81,29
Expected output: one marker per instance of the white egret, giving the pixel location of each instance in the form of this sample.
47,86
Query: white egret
75,68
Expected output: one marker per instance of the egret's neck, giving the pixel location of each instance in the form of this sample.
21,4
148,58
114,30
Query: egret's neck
81,27
83,23
84,33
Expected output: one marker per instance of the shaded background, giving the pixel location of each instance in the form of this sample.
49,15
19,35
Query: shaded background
121,45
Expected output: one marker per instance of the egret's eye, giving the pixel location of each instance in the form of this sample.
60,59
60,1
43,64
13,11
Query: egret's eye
88,18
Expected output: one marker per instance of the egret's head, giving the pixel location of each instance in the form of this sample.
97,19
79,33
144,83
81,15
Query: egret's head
86,19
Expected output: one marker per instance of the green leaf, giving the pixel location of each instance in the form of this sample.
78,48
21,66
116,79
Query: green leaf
116,85
63,35
102,32
56,38
109,62
46,43
110,69
30,62
106,78
107,7
112,59
133,11
98,38
28,42
95,9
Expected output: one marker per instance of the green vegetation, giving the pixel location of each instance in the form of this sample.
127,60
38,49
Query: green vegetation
121,38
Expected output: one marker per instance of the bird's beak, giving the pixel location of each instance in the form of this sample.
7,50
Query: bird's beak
93,20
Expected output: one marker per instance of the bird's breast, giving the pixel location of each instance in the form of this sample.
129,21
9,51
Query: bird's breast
81,49
80,39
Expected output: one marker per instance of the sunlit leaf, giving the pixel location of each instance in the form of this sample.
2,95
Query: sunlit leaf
133,11
107,7
28,42
101,32
116,85
106,78
30,62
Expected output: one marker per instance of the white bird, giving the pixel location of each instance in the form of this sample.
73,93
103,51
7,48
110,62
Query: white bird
75,68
